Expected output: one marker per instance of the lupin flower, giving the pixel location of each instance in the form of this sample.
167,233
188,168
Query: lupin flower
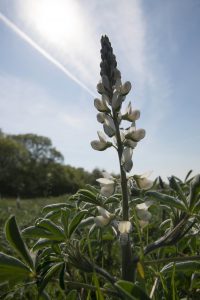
104,218
127,159
101,105
125,89
102,144
135,134
107,184
101,117
143,214
109,126
117,100
142,181
130,114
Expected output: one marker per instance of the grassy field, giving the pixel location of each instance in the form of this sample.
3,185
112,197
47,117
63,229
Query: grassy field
26,213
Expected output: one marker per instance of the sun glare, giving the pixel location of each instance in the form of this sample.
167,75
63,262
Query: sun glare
55,20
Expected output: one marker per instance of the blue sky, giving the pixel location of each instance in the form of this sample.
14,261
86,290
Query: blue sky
157,45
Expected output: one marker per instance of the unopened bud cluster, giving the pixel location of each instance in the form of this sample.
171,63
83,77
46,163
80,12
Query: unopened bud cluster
113,94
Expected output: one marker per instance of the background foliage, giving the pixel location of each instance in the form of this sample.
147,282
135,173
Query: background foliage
31,167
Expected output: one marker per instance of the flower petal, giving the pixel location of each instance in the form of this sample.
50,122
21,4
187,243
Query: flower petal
101,221
105,181
101,117
124,227
107,190
103,212
126,87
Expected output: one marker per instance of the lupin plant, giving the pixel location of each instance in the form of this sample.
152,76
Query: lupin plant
113,94
75,244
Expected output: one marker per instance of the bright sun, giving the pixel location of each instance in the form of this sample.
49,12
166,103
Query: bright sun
56,20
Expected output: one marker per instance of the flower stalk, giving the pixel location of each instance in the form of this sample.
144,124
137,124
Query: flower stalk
113,94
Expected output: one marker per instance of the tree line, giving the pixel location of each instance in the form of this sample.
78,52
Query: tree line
30,166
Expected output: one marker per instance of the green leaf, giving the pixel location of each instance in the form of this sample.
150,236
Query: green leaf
72,295
36,232
194,191
113,199
166,200
89,197
65,213
49,275
86,222
57,206
131,291
177,188
53,215
188,175
62,277
12,269
57,232
76,221
13,236
184,266
43,243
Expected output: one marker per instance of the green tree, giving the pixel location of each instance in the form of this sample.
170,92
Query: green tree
13,159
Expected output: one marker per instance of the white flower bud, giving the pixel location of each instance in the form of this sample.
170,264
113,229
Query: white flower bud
100,88
109,126
130,114
101,105
130,143
101,117
106,83
99,146
135,135
126,87
127,159
117,100
102,144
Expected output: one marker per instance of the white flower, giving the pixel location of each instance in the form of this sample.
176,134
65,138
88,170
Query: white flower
117,100
109,126
101,105
107,186
100,88
124,227
100,221
130,114
102,144
142,211
101,117
125,89
135,135
103,212
142,181
130,143
127,159
104,218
